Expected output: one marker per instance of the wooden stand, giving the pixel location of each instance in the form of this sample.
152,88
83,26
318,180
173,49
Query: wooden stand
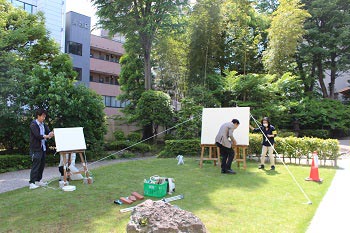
240,154
214,154
66,173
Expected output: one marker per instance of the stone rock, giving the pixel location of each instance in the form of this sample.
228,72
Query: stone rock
160,217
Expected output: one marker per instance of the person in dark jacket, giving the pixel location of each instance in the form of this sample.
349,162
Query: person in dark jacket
269,134
39,133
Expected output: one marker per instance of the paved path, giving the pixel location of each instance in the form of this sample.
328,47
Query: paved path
332,215
19,179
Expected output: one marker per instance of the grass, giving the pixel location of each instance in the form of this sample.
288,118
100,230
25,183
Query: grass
251,201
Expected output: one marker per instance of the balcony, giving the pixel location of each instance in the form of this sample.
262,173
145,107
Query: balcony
104,67
106,45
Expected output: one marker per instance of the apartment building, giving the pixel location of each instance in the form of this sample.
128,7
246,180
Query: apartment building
54,12
96,59
105,71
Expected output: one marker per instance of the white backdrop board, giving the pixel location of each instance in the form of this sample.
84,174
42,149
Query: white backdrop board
213,118
69,139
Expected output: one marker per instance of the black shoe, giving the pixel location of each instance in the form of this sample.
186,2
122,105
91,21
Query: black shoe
223,171
231,171
272,168
261,166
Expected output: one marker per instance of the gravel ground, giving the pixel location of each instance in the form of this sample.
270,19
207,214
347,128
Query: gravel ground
19,179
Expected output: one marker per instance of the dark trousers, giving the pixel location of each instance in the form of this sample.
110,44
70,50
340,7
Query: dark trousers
227,155
38,165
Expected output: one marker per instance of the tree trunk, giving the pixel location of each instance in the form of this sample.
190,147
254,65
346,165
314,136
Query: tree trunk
333,75
320,79
147,46
147,131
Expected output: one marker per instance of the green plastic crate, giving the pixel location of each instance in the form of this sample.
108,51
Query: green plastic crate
155,190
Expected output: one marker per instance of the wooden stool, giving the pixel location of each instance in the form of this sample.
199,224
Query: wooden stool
214,154
240,154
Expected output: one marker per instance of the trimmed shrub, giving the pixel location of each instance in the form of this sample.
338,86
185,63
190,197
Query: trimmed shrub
119,135
18,162
190,147
134,136
121,145
117,145
141,147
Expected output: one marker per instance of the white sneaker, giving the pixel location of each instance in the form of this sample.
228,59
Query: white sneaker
33,186
40,183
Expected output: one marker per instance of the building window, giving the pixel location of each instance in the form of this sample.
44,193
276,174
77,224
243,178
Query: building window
112,102
91,78
107,57
79,71
75,48
101,80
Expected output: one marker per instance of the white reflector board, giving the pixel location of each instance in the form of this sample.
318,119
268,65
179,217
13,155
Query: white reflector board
213,118
69,139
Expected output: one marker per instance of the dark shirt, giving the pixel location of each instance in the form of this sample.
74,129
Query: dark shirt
36,137
269,131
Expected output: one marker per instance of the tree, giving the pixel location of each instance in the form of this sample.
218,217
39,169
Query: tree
140,19
245,37
206,41
284,35
326,45
154,109
34,74
131,78
170,60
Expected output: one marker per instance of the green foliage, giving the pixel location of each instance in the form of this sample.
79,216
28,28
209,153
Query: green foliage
134,136
292,147
154,108
326,44
34,74
127,155
317,133
138,20
205,27
174,148
326,114
119,135
18,162
244,32
285,34
127,145
131,79
189,120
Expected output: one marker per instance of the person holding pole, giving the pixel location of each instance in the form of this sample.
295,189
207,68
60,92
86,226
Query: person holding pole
39,133
224,140
269,134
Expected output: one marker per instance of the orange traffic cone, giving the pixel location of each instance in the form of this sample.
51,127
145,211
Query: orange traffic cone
314,176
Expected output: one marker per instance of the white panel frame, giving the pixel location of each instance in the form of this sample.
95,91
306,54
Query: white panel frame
213,118
69,139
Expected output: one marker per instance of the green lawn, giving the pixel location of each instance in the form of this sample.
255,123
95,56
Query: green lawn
251,201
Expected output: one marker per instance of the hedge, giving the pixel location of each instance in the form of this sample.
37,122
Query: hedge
289,147
120,145
173,148
18,162
298,148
